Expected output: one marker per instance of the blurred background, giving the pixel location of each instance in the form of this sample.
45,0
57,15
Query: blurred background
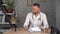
50,7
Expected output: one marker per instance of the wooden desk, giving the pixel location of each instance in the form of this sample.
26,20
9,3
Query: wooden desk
22,31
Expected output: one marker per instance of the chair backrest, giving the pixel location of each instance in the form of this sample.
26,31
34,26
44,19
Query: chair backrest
54,30
13,20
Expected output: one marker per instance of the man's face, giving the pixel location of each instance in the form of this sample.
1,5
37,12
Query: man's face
35,9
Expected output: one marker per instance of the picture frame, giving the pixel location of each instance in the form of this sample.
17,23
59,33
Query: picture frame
29,2
43,1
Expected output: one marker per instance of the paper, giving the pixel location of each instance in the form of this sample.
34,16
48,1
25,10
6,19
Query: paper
35,29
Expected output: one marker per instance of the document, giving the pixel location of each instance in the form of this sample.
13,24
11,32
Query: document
34,29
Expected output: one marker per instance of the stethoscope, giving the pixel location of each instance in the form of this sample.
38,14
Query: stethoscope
38,18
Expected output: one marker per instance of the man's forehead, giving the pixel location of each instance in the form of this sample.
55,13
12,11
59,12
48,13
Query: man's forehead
34,6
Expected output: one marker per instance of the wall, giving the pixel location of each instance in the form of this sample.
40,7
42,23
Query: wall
22,10
48,8
58,14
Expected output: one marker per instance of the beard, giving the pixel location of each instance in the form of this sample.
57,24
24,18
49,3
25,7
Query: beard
35,12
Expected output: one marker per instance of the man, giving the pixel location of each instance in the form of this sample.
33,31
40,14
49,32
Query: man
37,18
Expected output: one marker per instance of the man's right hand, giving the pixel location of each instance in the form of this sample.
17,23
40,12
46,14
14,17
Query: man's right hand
26,28
42,28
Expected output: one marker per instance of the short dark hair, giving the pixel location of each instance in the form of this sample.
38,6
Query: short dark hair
36,4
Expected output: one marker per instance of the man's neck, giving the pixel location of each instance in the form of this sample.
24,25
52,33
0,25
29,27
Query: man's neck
36,14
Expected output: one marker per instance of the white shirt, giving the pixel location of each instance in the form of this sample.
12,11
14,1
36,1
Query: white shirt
36,21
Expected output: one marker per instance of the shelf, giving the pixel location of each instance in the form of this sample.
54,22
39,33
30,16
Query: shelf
3,17
4,4
3,30
4,23
6,13
1,12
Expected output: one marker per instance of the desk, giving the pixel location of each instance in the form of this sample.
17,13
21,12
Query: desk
22,31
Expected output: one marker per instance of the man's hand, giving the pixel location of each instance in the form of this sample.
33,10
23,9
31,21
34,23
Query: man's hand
42,28
26,28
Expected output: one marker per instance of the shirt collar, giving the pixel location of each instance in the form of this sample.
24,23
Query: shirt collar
34,17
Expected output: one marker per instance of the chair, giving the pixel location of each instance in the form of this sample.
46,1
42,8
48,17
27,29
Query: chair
13,22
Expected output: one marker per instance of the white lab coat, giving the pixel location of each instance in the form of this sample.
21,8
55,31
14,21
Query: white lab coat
36,21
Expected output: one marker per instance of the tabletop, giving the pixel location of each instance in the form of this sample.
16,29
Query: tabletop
22,31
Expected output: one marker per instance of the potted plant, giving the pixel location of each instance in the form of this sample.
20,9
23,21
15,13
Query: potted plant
10,5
